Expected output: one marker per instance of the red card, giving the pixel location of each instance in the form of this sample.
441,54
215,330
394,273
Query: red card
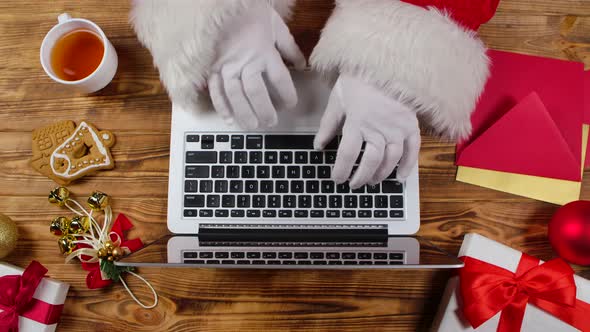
544,135
587,111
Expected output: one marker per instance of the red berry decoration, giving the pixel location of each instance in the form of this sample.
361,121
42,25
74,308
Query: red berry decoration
569,232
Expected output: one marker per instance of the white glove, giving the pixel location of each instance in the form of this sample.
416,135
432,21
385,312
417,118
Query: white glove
389,128
249,72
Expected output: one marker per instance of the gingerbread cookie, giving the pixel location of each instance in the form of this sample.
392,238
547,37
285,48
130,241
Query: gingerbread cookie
65,154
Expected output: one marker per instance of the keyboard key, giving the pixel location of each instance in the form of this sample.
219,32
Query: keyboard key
278,172
238,255
396,213
324,172
286,157
282,186
375,189
243,201
192,138
330,157
240,157
334,263
237,213
190,255
317,213
194,200
253,213
222,138
304,263
225,157
316,157
365,263
288,142
243,262
381,202
237,141
333,144
285,255
381,255
396,202
312,187
262,172
301,255
248,172
190,213
222,255
396,256
206,255
343,188
289,262
221,213
196,172
364,255
258,201
304,201
333,255
293,172
308,172
205,213
349,214
327,187
233,172
228,262
254,142
213,201
218,172
236,186
392,187
270,157
366,202
269,213
206,186
221,186
228,201
285,214
297,187
201,157
333,214
255,157
335,202
259,262
396,262
360,190
301,214
320,201
274,201
301,157
190,186
266,187
269,255
320,262
380,213
316,255
253,255
207,142
213,261
289,201
349,255
350,202
365,214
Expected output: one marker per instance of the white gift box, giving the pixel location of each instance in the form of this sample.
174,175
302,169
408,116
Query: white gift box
450,317
50,291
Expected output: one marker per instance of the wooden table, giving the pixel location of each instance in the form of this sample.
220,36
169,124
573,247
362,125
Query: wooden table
136,108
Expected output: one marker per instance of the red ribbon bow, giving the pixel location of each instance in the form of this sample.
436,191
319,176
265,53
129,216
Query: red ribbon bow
94,279
16,299
487,289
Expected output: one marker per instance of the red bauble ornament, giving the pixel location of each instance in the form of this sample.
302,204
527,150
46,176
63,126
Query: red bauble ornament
569,232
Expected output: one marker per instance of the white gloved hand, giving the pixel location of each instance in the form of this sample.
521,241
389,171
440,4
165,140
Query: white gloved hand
389,128
249,72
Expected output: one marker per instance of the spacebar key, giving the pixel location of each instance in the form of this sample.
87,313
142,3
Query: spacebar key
293,142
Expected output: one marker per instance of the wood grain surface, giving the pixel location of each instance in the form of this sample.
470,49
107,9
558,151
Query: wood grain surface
136,108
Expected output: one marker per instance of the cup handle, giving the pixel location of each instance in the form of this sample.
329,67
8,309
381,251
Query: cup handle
63,18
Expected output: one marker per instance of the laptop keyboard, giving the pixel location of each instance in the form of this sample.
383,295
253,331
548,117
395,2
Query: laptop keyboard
270,176
292,258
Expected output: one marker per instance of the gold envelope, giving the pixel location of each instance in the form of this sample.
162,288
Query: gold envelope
544,189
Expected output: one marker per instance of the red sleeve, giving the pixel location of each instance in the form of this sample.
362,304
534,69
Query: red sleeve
468,13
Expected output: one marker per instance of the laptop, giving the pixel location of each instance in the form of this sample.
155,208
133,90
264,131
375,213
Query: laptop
264,199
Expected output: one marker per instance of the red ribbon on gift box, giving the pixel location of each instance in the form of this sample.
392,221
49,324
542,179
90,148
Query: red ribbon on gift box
487,289
16,299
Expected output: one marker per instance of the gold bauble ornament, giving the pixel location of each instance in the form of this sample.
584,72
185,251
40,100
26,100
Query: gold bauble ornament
59,196
79,225
59,226
110,258
117,253
108,244
8,235
66,244
98,201
101,253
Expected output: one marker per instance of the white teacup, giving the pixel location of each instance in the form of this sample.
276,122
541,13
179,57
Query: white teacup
105,71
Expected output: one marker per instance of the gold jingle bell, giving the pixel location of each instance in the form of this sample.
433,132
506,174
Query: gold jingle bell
102,253
79,225
59,196
59,226
66,244
98,201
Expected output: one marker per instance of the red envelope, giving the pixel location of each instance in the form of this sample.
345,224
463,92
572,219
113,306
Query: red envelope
529,118
587,110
